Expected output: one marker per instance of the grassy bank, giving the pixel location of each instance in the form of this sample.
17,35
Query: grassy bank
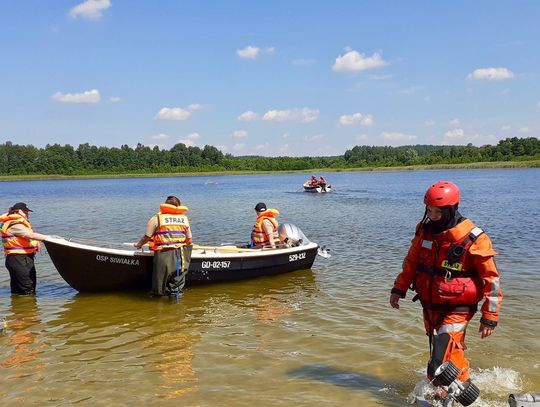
480,165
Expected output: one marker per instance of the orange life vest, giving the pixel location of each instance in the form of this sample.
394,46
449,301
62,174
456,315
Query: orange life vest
445,275
258,235
172,229
17,244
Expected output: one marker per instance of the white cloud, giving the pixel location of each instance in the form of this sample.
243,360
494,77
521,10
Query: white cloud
240,134
194,107
356,118
309,115
248,116
89,96
115,99
380,77
454,123
491,74
409,91
524,130
429,122
160,137
314,137
90,9
250,52
222,148
263,147
190,139
353,61
239,146
455,134
459,136
397,137
172,113
505,128
305,115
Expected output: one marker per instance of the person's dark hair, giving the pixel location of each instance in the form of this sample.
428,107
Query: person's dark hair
172,200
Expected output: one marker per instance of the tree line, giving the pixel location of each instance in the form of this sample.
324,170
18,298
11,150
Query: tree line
86,159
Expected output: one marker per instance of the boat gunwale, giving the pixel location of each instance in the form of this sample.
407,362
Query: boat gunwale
196,254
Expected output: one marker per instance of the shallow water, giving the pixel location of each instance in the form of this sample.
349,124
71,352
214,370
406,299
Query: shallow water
324,336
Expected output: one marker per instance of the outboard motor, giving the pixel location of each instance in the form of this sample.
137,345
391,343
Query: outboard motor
292,235
524,400
463,392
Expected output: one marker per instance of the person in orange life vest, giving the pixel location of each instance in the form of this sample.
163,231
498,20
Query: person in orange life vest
265,230
313,182
450,265
170,239
20,246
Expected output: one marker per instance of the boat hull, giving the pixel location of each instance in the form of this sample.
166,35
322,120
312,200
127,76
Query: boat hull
89,268
317,189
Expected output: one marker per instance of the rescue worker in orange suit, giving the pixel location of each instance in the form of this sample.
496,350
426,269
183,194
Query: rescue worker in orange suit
170,239
20,246
313,182
265,231
450,265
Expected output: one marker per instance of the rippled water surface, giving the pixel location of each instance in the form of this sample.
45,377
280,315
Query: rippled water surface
325,336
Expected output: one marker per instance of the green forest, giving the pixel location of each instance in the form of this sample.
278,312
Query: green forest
86,159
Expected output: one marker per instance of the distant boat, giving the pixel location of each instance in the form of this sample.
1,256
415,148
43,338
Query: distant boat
318,188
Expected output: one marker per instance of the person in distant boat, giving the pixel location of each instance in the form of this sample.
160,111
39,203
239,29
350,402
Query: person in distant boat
322,183
170,238
265,230
20,246
313,182
450,266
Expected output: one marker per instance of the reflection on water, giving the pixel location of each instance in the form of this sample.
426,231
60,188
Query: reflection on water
325,336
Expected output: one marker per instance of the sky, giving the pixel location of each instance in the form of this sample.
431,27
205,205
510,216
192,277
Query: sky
272,78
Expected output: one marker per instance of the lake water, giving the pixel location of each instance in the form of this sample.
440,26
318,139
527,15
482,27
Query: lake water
324,336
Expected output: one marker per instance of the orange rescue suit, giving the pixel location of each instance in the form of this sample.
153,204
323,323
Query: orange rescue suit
451,272
17,244
258,235
172,228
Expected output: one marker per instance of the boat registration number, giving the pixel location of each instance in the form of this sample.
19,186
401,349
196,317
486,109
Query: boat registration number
297,256
216,264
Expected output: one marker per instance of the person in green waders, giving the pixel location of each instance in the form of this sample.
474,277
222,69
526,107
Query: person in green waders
170,239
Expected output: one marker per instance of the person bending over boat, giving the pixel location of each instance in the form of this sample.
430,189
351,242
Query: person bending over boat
265,230
450,266
169,235
20,246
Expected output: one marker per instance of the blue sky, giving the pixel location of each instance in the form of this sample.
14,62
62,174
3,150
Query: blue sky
270,78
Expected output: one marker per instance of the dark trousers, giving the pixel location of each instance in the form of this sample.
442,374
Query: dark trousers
22,273
170,269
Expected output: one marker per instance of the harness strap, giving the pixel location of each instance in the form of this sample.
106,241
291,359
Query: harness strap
423,268
449,307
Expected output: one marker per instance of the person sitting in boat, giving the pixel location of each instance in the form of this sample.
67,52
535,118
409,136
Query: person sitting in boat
170,239
313,182
265,230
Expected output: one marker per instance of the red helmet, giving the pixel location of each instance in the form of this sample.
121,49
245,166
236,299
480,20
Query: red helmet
442,193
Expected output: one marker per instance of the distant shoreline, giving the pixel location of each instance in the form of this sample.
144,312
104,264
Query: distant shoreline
479,165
